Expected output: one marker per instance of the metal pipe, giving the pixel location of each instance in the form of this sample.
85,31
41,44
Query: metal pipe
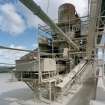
15,49
43,16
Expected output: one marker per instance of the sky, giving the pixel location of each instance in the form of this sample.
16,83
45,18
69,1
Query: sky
18,26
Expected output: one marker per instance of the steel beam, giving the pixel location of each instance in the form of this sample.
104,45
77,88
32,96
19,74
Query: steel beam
95,6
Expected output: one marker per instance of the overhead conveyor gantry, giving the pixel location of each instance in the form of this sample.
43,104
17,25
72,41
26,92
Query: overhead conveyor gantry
43,16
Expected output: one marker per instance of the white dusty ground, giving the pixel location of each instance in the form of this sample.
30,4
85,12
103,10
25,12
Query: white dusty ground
14,93
18,93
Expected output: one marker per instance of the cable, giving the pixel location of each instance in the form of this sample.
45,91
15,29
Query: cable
6,64
24,50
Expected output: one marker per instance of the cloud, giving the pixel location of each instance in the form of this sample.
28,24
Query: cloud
13,23
30,19
53,5
18,47
10,20
9,56
35,46
33,21
80,5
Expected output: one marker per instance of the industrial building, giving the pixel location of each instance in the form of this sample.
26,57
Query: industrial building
67,51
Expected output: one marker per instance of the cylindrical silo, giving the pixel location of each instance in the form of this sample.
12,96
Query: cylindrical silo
66,12
68,19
